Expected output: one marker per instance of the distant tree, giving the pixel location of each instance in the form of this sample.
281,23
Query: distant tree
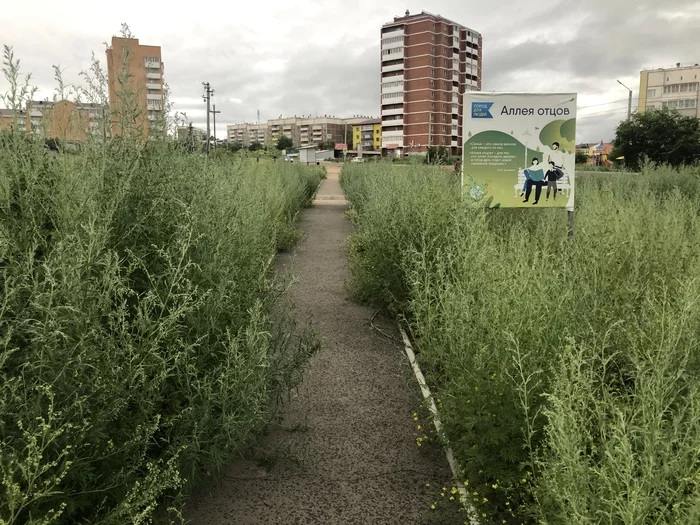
324,145
284,143
234,146
436,155
581,158
663,136
255,146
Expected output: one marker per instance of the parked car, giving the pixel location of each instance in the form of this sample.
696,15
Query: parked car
357,159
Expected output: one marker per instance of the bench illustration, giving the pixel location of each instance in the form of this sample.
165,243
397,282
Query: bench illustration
563,184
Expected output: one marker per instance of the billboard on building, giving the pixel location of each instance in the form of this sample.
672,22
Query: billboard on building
519,149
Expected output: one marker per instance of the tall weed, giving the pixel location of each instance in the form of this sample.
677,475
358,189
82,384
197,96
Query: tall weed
567,368
138,351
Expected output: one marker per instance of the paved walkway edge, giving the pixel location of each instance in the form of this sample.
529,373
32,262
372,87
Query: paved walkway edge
435,415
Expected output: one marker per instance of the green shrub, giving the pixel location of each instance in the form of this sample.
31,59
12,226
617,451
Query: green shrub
567,368
138,346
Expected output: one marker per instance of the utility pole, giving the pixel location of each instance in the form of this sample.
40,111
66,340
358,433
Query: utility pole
208,93
629,102
214,112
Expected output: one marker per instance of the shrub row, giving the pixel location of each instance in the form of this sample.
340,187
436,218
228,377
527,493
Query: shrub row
138,351
567,369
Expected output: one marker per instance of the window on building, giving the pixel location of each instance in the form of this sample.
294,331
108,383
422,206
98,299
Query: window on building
651,93
432,72
689,103
432,49
651,107
432,83
432,94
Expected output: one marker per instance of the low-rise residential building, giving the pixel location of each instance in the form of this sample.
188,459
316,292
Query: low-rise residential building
65,120
7,119
289,127
245,134
302,131
185,133
673,88
368,135
326,129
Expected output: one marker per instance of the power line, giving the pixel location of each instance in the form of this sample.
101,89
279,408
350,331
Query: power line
616,113
611,110
605,103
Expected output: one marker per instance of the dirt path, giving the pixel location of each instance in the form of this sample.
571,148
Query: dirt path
346,451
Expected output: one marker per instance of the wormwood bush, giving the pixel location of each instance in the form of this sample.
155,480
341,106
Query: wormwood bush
568,369
138,350
417,212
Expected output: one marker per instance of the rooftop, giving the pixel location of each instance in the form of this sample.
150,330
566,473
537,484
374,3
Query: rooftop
678,66
408,17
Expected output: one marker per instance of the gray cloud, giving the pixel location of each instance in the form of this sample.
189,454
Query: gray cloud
325,59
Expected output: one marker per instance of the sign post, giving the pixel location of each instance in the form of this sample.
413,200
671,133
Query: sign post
519,150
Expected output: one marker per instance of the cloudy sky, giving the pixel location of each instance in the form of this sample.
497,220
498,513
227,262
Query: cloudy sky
322,56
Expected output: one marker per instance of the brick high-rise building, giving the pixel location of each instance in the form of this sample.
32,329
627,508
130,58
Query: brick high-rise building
427,63
136,95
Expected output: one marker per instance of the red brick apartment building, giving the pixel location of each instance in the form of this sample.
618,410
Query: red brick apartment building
428,62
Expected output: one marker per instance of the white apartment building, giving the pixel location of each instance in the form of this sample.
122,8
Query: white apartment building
673,88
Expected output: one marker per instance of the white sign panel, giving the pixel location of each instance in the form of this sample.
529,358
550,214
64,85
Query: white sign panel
520,149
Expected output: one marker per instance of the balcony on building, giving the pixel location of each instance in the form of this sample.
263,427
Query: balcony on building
396,54
455,143
154,86
392,32
154,97
392,67
388,112
152,64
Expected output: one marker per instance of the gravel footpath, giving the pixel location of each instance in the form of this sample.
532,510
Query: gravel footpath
345,452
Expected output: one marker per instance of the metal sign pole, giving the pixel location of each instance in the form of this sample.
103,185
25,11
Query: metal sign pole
571,223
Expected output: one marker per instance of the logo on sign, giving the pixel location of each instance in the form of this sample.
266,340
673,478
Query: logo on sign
481,109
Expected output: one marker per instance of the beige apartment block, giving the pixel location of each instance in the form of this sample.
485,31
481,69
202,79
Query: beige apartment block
302,131
64,120
325,129
672,88
289,127
136,94
245,134
427,63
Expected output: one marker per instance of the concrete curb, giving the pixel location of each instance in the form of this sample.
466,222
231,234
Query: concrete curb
454,467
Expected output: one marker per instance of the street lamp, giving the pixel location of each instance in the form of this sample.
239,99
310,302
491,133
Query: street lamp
629,103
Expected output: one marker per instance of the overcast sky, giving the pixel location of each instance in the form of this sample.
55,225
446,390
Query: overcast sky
322,57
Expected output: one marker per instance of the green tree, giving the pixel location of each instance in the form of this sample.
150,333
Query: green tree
284,142
436,155
324,145
255,146
581,158
663,136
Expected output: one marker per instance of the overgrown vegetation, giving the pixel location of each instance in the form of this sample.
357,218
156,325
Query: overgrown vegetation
139,344
569,369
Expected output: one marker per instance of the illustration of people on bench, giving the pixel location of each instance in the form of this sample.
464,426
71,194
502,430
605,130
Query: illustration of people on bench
552,175
534,176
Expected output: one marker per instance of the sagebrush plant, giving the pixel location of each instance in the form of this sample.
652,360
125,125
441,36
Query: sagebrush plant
140,348
568,368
